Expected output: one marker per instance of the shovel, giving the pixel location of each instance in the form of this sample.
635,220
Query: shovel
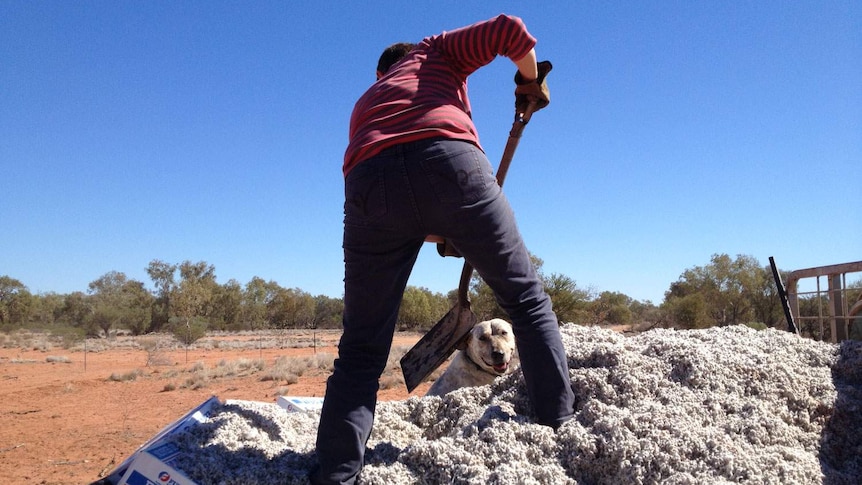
450,333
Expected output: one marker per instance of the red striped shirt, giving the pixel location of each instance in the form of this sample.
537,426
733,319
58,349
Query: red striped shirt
425,94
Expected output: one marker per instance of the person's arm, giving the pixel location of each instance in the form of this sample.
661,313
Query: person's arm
527,66
469,48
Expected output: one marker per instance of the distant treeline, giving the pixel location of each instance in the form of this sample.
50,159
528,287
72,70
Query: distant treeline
188,301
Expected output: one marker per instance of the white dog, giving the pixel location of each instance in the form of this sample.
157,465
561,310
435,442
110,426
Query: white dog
487,355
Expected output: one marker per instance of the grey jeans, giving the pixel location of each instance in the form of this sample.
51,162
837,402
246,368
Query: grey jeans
392,202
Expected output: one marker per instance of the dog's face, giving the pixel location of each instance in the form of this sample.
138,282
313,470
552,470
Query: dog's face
491,345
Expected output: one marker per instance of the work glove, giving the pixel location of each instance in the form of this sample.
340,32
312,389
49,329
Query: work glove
444,247
537,90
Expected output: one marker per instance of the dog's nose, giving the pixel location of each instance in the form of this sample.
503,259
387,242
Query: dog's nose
498,356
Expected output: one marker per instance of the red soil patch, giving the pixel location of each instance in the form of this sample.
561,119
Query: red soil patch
65,423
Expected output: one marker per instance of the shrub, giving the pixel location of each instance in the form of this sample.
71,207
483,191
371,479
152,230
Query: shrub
323,360
18,360
128,376
68,336
196,382
237,367
285,369
280,375
188,331
391,380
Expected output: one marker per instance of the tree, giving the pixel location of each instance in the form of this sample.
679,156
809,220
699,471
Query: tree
420,308
16,302
189,303
105,317
291,308
200,271
255,301
483,302
76,310
162,275
742,274
192,300
570,302
690,311
199,280
137,306
46,309
188,331
107,300
117,301
613,307
729,291
762,294
644,312
227,306
328,312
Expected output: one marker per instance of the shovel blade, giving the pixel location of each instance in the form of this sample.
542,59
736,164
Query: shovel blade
437,345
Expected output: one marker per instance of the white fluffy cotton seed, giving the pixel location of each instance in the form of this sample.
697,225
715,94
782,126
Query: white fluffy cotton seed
722,405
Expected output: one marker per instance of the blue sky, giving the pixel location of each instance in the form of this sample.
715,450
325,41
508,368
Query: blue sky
214,131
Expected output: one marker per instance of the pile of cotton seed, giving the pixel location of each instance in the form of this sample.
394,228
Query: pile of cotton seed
722,405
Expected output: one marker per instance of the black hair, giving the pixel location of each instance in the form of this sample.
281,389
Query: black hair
393,54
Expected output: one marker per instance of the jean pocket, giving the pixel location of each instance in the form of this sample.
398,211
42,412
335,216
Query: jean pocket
458,176
364,195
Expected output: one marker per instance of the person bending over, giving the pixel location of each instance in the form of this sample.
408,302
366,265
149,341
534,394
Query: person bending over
413,168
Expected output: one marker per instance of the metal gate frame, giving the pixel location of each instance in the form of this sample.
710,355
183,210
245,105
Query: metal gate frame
841,311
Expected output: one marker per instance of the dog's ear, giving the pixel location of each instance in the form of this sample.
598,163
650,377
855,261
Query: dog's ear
464,342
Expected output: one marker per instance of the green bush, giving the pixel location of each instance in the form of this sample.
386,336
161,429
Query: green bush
188,331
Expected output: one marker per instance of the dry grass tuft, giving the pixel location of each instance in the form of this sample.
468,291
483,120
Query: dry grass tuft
19,360
200,375
126,377
238,368
285,369
323,361
195,382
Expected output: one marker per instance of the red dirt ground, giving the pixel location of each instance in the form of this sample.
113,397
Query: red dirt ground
62,423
